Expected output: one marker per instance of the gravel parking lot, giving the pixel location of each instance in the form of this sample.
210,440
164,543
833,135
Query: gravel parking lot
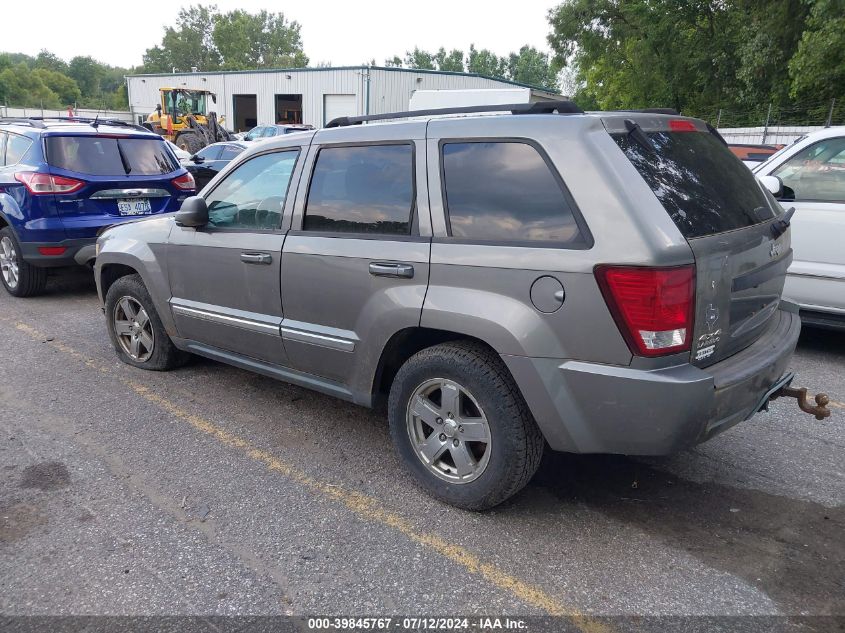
210,490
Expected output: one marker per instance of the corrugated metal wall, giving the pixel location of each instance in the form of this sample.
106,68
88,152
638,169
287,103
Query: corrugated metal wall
389,90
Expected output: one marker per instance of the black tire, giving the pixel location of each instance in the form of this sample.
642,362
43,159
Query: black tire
516,444
30,280
164,355
190,142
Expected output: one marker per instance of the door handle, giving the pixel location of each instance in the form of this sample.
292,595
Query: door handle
256,258
391,269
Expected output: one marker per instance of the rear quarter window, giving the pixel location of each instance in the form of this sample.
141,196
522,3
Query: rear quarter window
505,191
704,188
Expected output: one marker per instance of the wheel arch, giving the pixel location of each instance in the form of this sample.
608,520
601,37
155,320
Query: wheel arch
404,344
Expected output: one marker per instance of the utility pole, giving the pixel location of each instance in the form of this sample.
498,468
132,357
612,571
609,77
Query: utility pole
829,121
718,118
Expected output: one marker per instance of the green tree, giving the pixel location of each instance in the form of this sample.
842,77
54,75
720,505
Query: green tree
817,69
395,62
19,86
485,62
189,43
255,40
420,59
87,72
48,61
452,61
66,89
532,67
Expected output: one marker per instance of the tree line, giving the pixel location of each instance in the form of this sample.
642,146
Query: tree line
700,56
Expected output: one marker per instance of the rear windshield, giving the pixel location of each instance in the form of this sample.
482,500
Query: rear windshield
109,156
703,187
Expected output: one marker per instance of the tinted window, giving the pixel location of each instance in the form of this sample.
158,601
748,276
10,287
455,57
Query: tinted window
362,190
253,195
816,172
210,152
230,151
104,156
16,147
703,187
504,191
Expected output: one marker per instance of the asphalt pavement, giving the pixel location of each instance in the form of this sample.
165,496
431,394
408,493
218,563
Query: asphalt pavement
213,491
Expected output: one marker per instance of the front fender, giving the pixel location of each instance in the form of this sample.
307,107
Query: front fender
123,247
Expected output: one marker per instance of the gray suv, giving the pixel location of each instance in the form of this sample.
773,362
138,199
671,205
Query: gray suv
602,282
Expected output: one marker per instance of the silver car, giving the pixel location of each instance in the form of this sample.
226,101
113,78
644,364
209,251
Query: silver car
598,282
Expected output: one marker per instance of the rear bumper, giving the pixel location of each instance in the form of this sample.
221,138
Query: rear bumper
590,408
77,252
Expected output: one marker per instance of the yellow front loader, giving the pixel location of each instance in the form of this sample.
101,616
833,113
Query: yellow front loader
182,117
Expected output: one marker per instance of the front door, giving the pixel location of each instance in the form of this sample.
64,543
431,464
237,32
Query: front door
225,276
355,265
816,178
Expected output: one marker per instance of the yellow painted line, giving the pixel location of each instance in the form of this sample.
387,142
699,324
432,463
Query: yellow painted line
366,507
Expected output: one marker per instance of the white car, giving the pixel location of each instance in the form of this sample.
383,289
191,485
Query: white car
809,175
181,155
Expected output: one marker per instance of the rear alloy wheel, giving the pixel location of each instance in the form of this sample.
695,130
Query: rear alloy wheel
135,329
19,278
462,427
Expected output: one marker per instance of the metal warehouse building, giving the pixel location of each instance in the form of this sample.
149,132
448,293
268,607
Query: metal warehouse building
308,95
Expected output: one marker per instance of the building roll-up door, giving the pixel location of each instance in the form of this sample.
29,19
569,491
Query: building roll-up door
335,106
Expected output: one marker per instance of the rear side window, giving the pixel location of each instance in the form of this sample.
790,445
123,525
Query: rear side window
108,156
505,191
16,147
701,184
362,189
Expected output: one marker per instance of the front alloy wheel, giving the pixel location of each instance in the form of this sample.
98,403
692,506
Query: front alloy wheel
448,430
133,329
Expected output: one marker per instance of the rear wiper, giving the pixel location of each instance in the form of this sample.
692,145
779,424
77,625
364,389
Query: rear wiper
779,227
123,160
636,134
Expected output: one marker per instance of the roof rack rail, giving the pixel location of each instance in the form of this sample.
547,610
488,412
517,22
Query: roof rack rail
21,121
38,121
539,107
671,111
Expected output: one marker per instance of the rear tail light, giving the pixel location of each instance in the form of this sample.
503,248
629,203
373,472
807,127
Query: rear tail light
38,183
653,307
185,182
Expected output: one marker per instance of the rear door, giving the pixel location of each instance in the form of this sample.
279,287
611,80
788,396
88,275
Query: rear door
224,277
815,183
123,176
355,264
727,219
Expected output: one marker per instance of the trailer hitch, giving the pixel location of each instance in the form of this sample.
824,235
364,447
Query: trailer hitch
819,410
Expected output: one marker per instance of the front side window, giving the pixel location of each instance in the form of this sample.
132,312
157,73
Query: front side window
253,195
362,189
254,133
210,152
505,191
16,147
230,151
816,172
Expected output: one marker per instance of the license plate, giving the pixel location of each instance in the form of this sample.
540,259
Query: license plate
134,206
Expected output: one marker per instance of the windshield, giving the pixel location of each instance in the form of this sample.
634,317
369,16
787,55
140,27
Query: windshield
109,156
186,102
703,187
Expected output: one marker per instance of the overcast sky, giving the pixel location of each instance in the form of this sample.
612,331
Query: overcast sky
343,33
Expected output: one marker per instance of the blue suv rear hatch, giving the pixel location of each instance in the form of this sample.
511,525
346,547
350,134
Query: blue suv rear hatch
99,179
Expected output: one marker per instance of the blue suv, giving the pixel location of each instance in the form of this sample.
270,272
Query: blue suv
63,180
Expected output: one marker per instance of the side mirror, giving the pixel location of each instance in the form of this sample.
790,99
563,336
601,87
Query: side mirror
197,159
773,184
158,108
194,212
